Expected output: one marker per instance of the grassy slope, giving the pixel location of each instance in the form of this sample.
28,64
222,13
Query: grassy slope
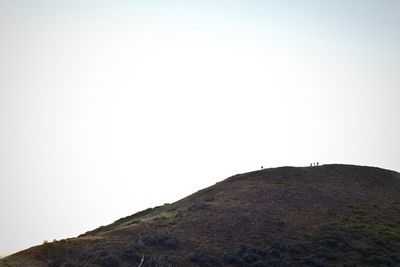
332,215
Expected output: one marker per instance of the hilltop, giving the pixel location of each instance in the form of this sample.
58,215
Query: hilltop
330,215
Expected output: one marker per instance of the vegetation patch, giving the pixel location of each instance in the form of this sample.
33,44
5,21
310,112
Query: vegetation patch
161,240
209,199
131,255
199,207
134,216
205,258
157,260
245,255
106,260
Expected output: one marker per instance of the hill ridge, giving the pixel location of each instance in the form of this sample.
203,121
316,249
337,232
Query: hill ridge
327,215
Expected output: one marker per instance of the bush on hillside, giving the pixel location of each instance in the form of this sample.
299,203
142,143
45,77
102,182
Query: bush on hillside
159,260
205,258
161,240
199,207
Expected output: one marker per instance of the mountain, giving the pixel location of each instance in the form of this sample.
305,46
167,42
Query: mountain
330,215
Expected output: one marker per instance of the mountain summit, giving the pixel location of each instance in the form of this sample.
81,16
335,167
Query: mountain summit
330,215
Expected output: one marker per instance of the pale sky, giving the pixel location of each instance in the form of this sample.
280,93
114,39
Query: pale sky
111,107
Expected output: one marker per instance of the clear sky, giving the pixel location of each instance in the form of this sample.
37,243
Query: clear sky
111,107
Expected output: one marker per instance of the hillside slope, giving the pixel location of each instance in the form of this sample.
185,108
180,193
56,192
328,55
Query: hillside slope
331,215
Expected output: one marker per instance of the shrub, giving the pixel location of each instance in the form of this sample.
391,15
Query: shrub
276,253
108,261
380,260
364,250
199,207
209,199
334,241
331,242
242,255
131,255
159,218
156,261
313,261
280,246
103,258
273,263
166,241
205,258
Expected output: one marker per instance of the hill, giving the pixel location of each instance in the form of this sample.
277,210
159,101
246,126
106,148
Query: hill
331,215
